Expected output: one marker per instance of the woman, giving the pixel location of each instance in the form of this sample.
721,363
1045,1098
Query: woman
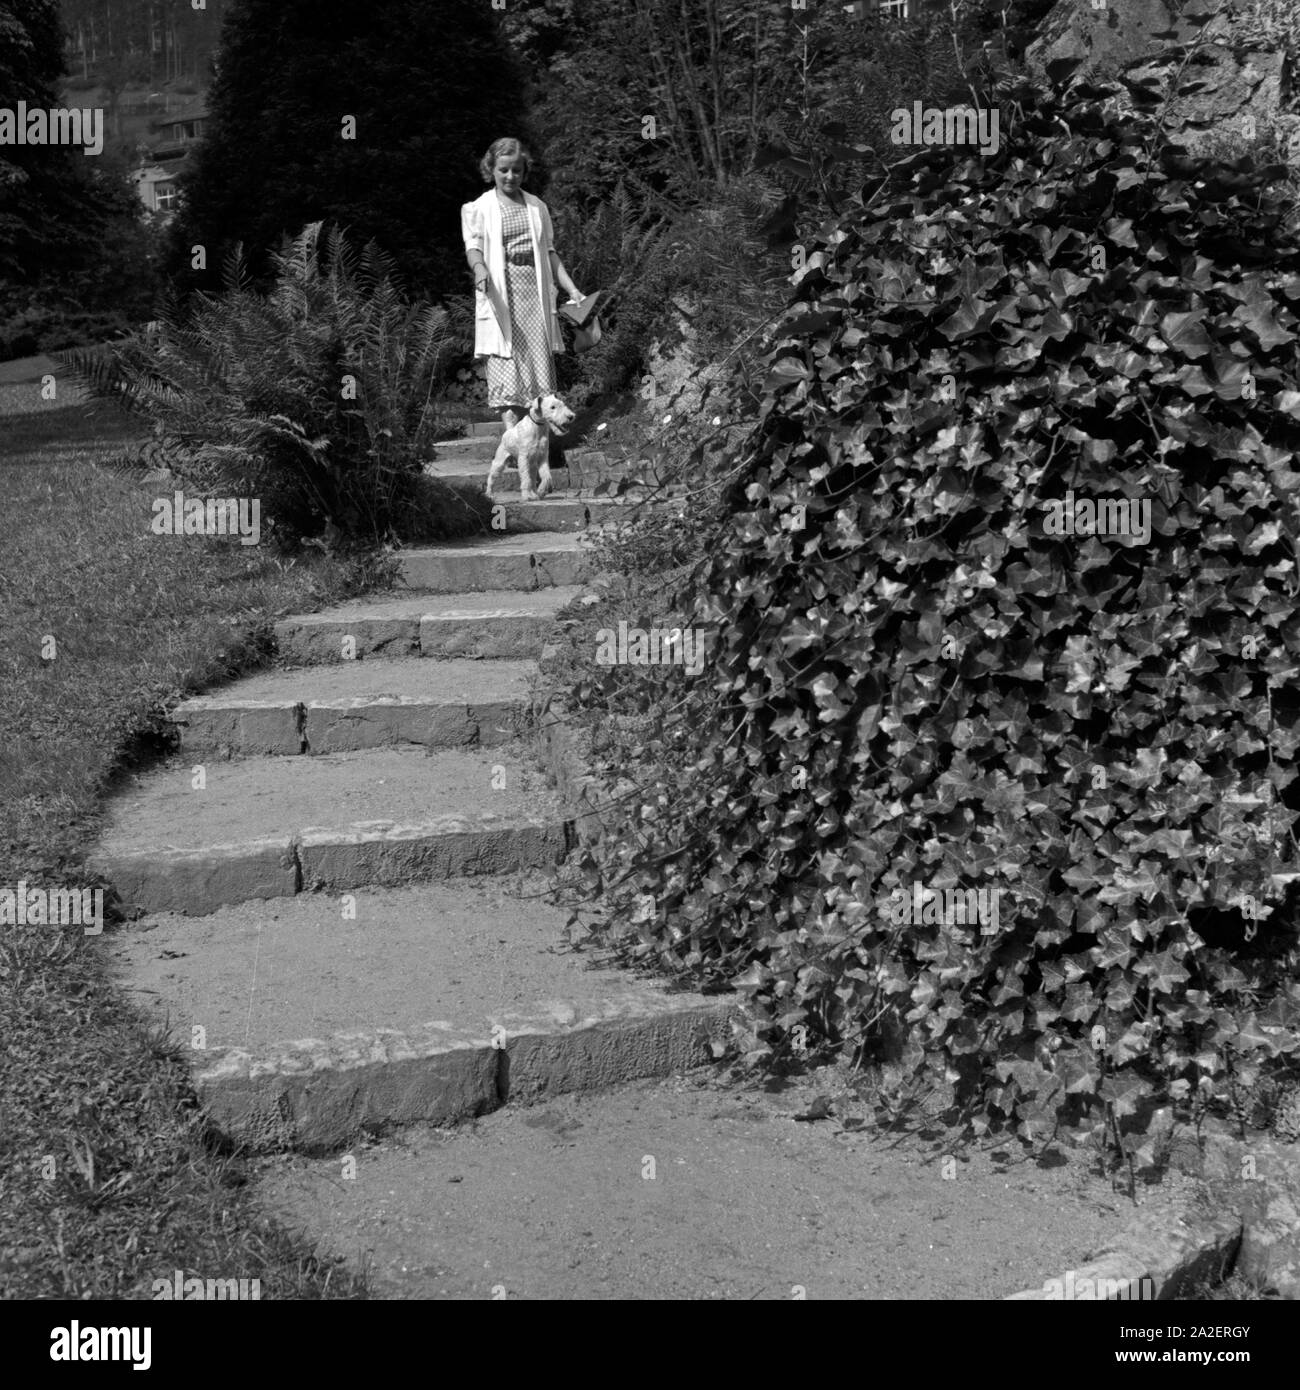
509,244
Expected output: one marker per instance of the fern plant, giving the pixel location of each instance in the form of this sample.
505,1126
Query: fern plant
317,397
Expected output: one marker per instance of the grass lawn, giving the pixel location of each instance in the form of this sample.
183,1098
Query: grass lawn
106,1181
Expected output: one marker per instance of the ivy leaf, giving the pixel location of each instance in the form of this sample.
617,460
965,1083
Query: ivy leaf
1258,316
971,316
787,371
1165,971
1077,1073
1185,333
1123,1093
1252,1038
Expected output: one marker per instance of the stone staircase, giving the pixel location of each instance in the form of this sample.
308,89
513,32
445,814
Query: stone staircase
341,879
341,875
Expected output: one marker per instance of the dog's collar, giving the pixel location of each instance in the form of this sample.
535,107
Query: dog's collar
536,419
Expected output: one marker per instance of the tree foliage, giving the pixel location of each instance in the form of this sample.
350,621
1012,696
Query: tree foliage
723,80
726,126
170,38
74,257
429,86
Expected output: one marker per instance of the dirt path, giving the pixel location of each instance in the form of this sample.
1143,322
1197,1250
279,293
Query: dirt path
745,1202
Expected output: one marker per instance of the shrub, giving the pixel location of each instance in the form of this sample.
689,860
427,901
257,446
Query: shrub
45,327
618,250
915,682
694,283
90,303
316,398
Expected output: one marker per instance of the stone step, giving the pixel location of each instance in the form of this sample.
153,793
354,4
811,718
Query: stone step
550,514
360,704
490,429
489,624
583,470
557,513
273,827
476,448
474,475
429,1004
481,446
537,561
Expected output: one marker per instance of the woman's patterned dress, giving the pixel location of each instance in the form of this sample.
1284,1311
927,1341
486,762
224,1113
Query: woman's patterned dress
530,372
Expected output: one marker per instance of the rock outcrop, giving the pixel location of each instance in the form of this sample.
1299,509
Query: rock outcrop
1245,63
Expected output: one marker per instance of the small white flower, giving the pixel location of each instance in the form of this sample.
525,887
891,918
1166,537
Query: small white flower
603,424
717,419
668,419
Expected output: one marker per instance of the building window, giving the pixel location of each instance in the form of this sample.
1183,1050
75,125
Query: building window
893,9
164,196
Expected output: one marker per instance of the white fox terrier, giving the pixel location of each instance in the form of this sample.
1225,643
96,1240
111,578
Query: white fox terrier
528,443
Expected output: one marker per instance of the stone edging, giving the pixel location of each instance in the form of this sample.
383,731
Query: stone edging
1166,1251
1161,1254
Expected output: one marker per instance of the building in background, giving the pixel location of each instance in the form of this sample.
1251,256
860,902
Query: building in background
164,153
155,187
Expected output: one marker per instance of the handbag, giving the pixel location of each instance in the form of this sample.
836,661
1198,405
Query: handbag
586,325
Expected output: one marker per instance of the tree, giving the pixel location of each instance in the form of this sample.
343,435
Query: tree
30,62
372,118
681,99
117,72
59,210
170,37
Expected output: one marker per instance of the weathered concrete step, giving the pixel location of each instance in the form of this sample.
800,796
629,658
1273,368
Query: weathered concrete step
472,475
471,447
479,428
369,704
272,827
465,414
550,514
479,447
430,1004
494,624
570,513
487,434
582,470
537,561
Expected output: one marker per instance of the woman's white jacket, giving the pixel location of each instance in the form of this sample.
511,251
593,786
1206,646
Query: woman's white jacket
480,225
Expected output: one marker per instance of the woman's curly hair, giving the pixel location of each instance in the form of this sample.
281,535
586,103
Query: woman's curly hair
511,149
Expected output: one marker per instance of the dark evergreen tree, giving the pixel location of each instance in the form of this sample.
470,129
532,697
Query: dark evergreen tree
429,87
73,254
34,182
